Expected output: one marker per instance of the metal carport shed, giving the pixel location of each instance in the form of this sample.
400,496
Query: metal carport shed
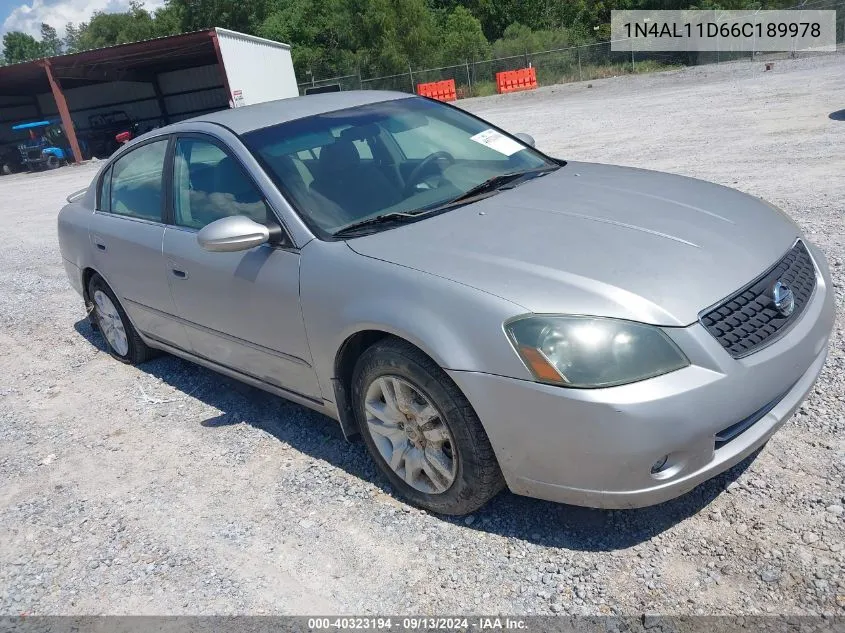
153,82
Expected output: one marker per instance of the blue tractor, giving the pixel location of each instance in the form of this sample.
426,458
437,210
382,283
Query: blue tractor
47,146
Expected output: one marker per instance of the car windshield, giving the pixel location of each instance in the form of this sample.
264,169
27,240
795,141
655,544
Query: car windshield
394,157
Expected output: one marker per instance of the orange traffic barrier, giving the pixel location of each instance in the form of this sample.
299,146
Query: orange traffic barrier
440,90
516,80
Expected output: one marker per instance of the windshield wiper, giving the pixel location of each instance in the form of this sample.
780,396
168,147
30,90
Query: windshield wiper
385,218
490,186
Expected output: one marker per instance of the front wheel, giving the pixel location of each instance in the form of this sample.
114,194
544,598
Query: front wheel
421,430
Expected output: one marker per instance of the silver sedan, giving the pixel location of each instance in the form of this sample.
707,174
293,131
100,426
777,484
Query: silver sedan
479,313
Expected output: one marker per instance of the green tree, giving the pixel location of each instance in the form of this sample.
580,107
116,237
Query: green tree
104,29
496,15
519,39
322,45
72,35
238,15
108,29
336,37
50,42
392,34
20,47
166,21
462,38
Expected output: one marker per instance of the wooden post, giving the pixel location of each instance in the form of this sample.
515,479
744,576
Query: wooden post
64,113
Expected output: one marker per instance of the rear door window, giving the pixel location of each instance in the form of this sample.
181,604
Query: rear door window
137,182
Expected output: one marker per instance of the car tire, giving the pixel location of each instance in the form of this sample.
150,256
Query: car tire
445,462
120,336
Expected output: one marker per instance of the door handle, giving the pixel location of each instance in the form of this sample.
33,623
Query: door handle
179,274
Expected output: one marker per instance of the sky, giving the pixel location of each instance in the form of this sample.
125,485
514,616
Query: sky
16,15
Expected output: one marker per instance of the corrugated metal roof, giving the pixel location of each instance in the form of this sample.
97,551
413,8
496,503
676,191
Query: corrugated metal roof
103,48
111,63
252,38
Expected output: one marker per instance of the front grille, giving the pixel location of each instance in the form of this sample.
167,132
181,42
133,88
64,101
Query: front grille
748,318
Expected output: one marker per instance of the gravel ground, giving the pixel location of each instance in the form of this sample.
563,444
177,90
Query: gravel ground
169,489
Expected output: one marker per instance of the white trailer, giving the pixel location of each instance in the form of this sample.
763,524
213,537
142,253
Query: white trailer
256,69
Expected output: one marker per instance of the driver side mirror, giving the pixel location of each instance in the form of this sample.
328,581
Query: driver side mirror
233,233
525,138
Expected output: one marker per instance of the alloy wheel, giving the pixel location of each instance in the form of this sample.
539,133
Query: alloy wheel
111,325
410,434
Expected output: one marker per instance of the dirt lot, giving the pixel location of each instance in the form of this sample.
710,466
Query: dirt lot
169,489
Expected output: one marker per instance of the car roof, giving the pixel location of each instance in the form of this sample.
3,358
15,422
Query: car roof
248,118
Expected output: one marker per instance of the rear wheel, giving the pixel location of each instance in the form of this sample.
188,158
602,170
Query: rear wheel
122,340
53,162
421,430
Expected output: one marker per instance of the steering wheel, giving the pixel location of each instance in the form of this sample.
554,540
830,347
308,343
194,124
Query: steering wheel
420,169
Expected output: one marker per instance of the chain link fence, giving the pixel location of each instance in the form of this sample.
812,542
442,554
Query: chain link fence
576,63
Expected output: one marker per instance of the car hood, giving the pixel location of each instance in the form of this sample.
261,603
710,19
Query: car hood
600,240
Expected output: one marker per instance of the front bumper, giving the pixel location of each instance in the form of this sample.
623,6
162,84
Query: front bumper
596,447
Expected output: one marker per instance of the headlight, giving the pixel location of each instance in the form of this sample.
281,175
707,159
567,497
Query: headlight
586,352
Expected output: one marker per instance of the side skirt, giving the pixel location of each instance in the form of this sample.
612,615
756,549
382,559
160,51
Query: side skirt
321,406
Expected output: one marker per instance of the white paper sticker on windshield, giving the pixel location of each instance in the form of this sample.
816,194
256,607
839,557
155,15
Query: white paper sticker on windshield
498,142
